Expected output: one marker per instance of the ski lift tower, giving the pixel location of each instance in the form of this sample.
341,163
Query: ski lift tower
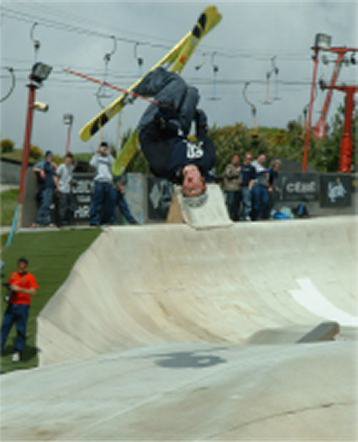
322,41
321,128
347,142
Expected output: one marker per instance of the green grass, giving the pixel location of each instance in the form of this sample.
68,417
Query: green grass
51,256
8,204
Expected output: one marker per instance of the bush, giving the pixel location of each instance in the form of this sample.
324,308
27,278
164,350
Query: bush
7,145
36,152
57,159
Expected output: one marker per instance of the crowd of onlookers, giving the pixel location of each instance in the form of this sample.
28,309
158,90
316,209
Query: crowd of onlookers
249,187
56,190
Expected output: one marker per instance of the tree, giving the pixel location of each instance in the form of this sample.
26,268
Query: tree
7,145
36,152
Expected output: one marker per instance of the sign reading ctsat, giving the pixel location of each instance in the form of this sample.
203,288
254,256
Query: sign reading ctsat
298,186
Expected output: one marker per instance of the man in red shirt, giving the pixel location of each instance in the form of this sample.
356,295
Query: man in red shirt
23,285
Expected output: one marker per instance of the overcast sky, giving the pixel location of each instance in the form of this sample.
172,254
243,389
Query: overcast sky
77,34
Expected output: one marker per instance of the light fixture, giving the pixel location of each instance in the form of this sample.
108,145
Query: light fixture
40,106
323,41
40,72
67,119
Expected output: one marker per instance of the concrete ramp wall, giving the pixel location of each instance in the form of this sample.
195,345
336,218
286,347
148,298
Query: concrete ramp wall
170,283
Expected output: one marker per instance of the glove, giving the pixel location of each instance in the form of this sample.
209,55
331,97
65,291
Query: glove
167,120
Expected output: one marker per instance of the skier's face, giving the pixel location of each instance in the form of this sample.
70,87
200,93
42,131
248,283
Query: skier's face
193,182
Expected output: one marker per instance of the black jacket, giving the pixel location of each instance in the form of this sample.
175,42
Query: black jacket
168,153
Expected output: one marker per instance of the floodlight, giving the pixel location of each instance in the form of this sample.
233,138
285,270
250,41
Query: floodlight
67,119
323,41
40,72
40,106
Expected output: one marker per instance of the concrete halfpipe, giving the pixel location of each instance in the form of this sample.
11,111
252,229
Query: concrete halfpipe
164,332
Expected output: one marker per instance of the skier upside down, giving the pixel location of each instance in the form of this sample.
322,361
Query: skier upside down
164,134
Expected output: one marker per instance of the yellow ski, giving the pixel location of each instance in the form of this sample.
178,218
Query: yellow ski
178,56
176,60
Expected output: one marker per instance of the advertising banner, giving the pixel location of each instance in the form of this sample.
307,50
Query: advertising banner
298,186
336,190
160,193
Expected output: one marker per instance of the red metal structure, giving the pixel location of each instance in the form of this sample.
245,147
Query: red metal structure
347,142
27,139
321,128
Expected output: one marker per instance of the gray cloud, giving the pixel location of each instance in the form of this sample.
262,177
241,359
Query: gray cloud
254,30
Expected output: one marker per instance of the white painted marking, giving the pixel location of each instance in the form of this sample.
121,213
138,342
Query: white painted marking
312,300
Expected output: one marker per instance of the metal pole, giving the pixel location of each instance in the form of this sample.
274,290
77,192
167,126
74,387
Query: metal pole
346,151
320,130
68,141
308,137
27,141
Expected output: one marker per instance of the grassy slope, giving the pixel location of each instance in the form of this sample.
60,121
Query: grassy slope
51,255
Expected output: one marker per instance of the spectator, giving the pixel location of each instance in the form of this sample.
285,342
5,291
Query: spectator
46,171
247,178
64,188
231,187
273,173
121,202
273,176
102,204
23,286
260,190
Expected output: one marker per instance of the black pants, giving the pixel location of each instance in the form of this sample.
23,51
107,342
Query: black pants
171,91
66,208
233,199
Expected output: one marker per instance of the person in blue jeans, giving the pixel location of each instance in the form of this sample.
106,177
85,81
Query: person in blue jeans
46,171
102,205
120,202
260,190
247,179
22,285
